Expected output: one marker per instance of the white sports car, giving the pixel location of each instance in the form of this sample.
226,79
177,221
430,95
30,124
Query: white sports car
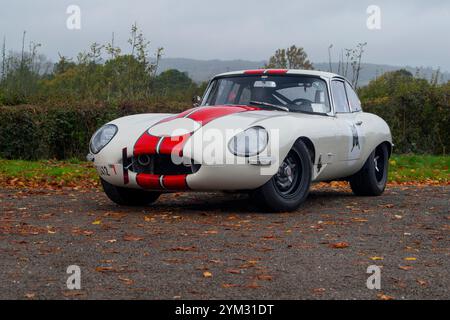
267,132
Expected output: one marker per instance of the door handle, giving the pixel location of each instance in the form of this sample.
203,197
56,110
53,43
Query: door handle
358,123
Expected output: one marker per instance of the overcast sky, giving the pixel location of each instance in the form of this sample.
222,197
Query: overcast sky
413,32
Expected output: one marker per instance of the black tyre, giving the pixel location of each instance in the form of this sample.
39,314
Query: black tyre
371,179
129,197
288,189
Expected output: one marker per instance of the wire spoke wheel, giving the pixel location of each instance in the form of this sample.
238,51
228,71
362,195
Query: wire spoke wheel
289,187
289,175
372,178
379,164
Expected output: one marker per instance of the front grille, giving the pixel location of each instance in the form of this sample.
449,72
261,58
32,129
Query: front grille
161,165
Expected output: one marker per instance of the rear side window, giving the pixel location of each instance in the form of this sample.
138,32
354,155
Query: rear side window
339,97
355,103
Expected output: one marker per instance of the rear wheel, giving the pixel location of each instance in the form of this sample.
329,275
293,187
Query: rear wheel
372,178
290,186
129,197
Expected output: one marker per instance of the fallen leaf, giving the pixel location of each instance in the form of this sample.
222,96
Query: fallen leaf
111,241
30,295
359,220
383,296
207,274
126,280
229,285
253,285
130,237
264,277
184,249
215,261
319,290
421,282
340,245
103,269
410,259
173,260
97,222
406,268
73,293
234,271
376,258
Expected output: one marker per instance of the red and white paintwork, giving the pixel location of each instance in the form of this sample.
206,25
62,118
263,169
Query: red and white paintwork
330,135
154,144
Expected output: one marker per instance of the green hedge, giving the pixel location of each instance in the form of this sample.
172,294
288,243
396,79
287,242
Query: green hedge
63,132
60,132
416,131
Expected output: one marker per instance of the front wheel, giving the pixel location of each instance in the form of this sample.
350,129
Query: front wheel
287,189
372,178
129,197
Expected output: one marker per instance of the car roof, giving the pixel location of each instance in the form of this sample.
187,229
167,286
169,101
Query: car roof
284,71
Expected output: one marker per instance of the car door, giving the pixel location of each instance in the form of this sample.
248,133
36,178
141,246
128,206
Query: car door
347,120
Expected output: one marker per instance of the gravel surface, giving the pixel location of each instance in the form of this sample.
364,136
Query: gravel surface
217,246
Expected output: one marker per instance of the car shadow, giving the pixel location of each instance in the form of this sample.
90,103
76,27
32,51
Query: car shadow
238,203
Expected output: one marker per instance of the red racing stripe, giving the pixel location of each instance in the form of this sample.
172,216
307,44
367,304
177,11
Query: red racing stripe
146,144
174,145
153,182
266,71
207,114
177,182
276,71
148,181
257,71
149,144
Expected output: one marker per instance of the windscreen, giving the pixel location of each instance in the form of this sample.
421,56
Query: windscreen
297,93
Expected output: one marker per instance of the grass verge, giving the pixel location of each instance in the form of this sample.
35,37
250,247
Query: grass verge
404,169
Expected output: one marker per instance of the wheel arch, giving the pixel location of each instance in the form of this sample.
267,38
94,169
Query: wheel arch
388,145
310,146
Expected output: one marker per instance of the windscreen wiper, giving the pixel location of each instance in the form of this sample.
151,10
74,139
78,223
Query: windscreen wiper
260,103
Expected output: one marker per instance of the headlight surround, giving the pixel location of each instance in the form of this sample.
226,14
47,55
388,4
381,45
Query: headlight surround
249,142
102,137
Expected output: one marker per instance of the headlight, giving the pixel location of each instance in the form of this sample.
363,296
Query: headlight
102,137
250,142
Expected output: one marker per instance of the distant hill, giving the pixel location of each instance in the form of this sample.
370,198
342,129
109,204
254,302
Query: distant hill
203,70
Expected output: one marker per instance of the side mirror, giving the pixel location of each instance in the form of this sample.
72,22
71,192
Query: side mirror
196,101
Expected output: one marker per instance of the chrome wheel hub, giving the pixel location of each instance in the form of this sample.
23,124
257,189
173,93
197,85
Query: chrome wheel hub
286,174
375,160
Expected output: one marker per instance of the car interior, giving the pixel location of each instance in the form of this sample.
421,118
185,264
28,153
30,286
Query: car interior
298,94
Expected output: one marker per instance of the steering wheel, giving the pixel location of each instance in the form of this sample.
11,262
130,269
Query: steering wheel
302,101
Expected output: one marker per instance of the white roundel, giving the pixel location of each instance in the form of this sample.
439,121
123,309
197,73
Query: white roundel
174,128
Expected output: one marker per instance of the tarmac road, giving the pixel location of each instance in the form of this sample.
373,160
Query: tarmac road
216,246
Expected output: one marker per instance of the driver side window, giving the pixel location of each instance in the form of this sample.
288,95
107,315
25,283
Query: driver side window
339,97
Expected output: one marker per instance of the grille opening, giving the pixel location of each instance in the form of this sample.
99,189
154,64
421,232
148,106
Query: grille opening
160,164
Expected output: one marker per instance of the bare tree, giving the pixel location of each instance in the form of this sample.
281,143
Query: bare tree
3,59
356,63
347,59
329,57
